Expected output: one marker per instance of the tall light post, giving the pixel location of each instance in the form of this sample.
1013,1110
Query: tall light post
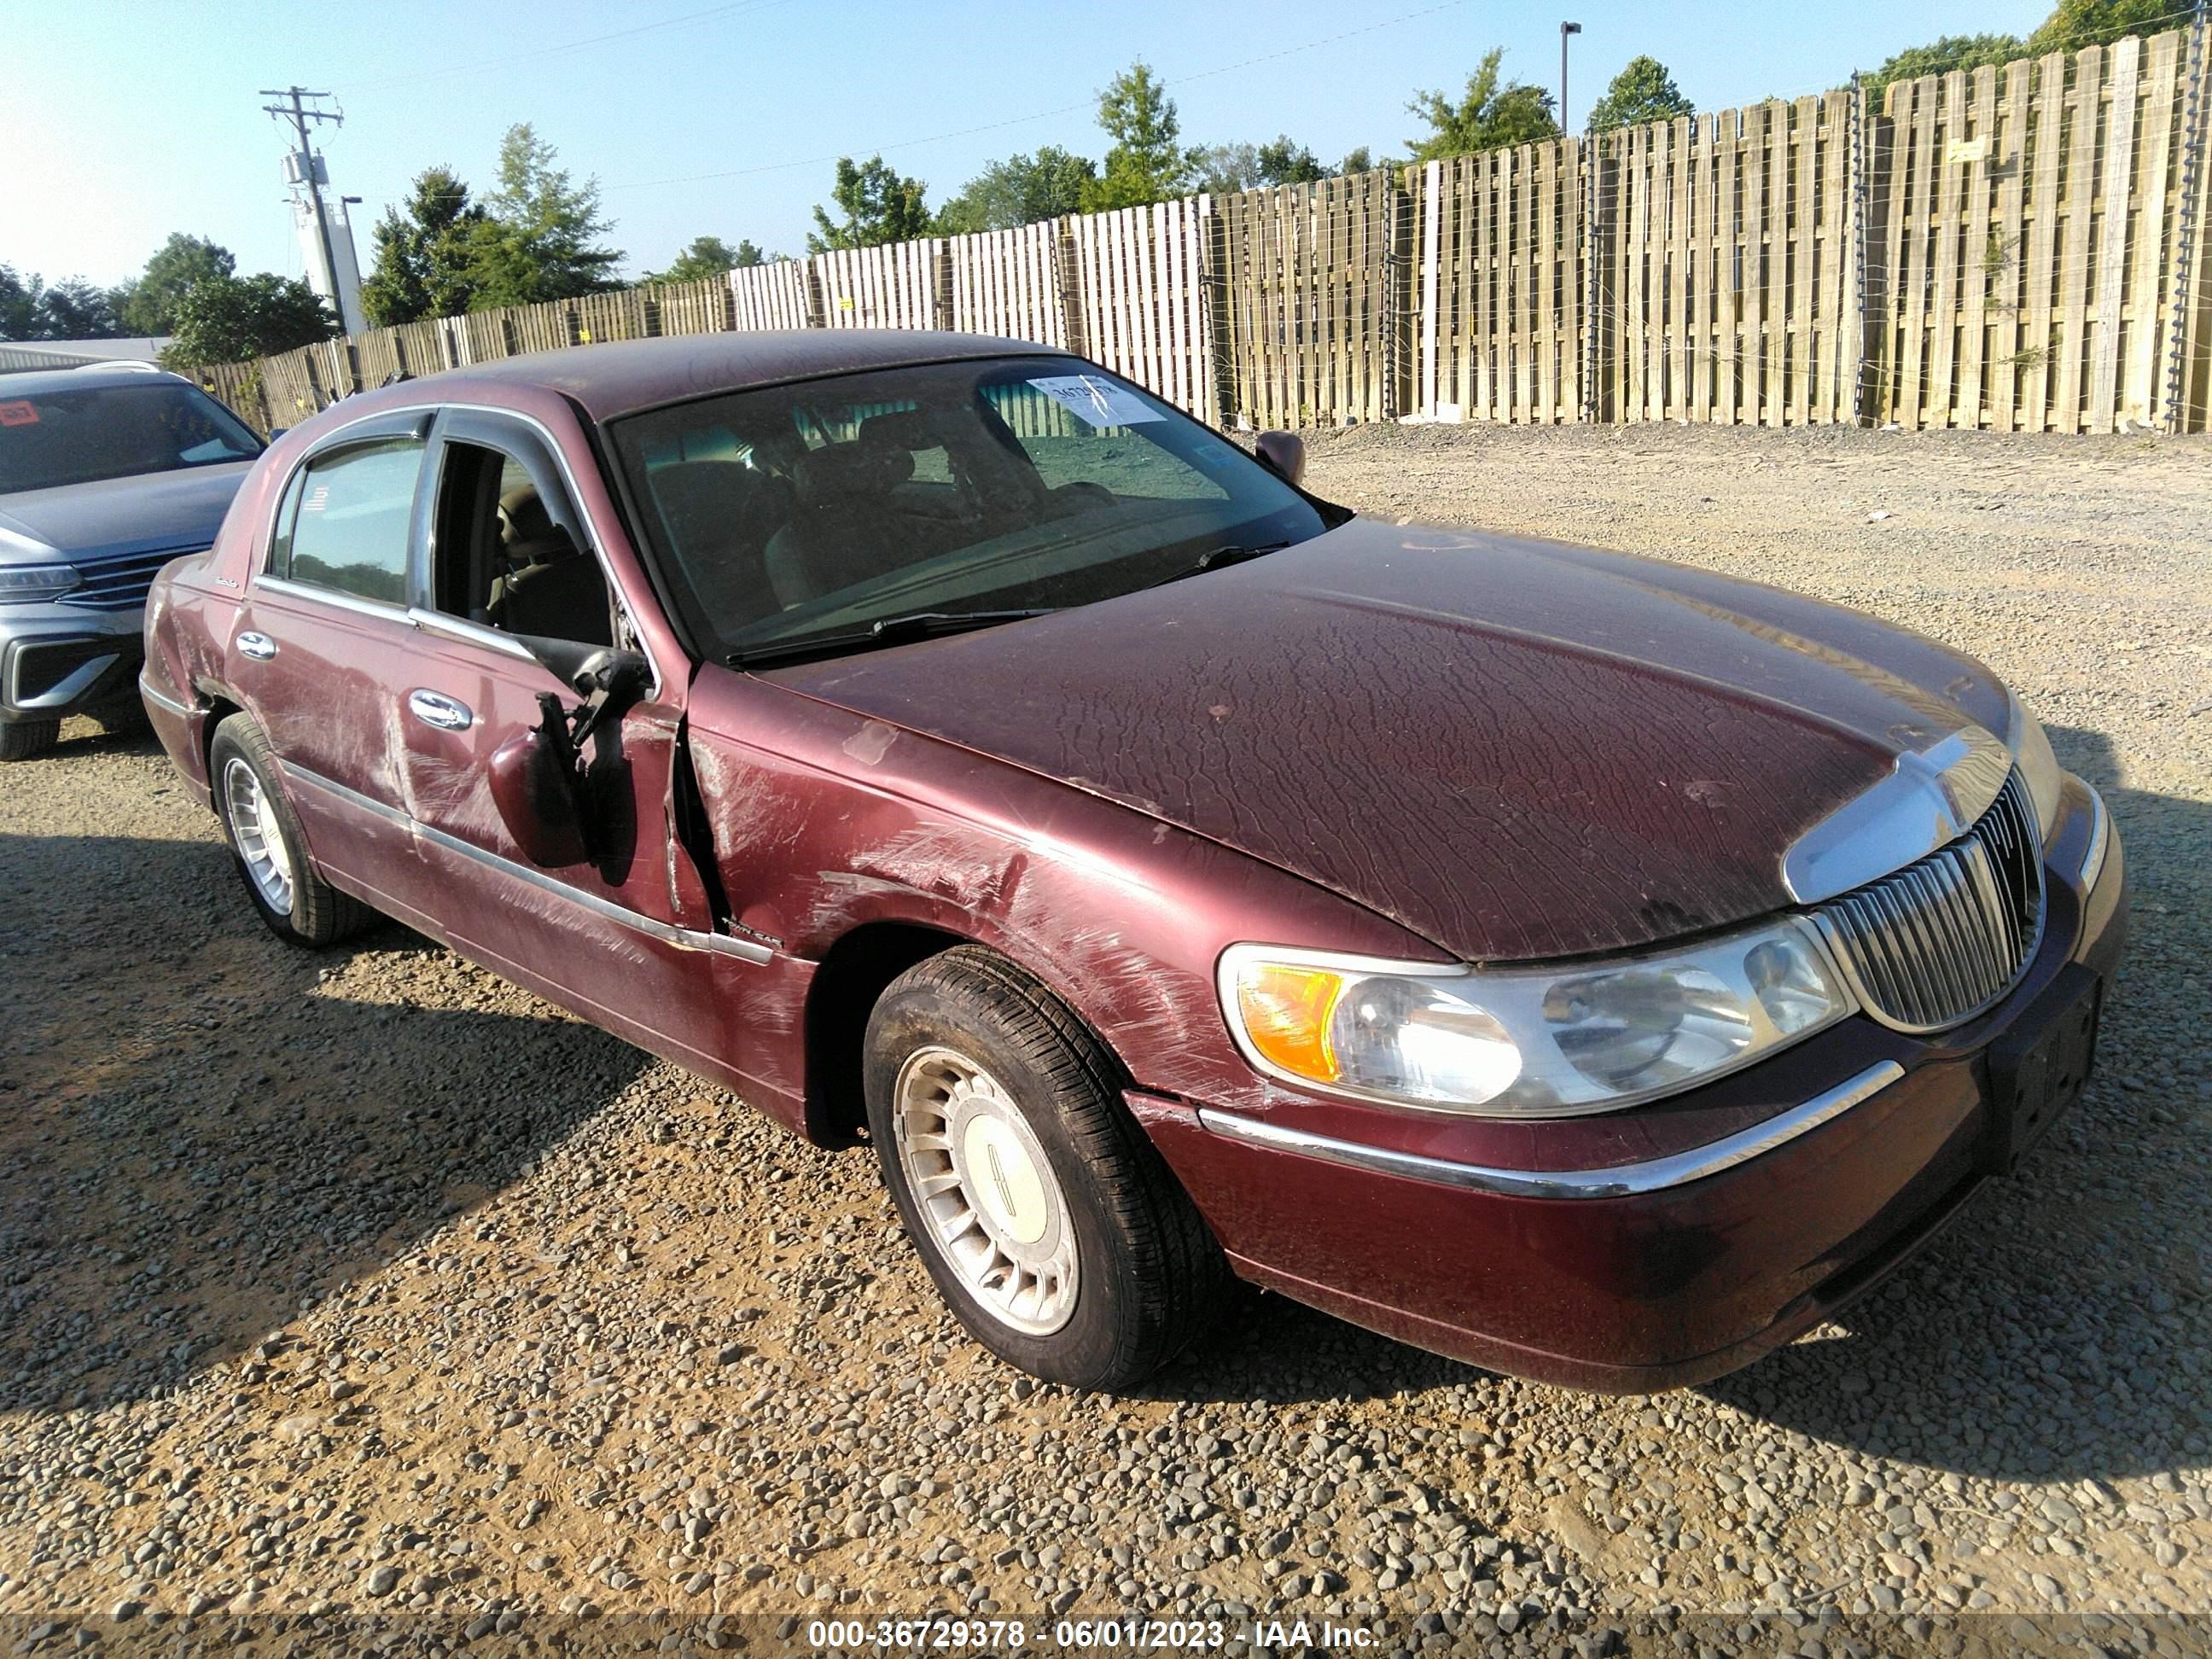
1565,30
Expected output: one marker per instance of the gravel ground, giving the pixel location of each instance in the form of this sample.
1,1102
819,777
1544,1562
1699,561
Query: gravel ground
335,1288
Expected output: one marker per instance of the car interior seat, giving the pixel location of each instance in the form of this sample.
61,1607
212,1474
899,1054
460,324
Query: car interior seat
551,587
719,516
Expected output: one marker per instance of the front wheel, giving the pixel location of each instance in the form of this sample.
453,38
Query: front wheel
1050,1224
23,740
299,906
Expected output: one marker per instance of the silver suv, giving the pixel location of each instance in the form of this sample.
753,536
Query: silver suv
106,473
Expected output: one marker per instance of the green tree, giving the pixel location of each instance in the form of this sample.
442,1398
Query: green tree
539,239
2074,24
19,305
1022,189
1236,167
879,206
72,309
1493,114
707,256
1362,160
1282,162
147,303
422,251
1643,91
227,320
1953,52
1223,169
1147,162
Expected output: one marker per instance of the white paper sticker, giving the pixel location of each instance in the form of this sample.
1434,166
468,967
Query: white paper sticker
1096,399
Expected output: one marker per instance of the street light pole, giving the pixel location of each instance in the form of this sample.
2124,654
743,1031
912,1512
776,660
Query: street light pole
1565,30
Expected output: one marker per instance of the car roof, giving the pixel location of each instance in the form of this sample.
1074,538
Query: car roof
33,382
621,377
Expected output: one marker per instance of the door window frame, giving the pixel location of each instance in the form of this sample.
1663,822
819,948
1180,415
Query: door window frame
530,442
525,441
371,429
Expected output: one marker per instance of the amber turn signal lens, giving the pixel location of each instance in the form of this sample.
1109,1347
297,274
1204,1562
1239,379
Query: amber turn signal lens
1286,1012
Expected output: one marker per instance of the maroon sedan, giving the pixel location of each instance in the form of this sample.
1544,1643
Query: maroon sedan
1591,967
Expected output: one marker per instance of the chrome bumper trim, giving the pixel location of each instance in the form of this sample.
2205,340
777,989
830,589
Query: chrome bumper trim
684,939
2100,835
151,694
1622,1181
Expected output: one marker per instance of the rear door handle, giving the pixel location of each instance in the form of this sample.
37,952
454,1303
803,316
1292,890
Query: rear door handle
434,708
260,646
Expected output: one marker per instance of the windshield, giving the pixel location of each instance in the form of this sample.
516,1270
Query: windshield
86,434
826,508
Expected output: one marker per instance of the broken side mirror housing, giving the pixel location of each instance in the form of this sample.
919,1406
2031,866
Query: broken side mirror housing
537,801
1284,454
622,675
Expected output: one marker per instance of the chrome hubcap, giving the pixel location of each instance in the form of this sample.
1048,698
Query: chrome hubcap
989,1202
260,843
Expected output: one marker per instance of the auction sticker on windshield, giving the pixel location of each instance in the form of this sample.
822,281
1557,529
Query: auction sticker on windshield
1096,399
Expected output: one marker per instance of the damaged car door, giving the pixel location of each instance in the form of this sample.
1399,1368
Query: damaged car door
606,913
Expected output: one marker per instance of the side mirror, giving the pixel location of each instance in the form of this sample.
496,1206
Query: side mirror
1284,454
276,432
537,800
622,675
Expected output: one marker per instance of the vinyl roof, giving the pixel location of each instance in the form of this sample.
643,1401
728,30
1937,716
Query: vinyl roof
623,376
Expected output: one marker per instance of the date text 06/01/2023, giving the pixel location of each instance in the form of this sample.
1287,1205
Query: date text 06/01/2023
932,1634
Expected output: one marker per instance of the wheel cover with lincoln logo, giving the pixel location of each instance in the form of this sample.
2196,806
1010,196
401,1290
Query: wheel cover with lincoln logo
989,1204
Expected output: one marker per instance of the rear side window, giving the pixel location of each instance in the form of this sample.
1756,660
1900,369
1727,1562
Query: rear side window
345,520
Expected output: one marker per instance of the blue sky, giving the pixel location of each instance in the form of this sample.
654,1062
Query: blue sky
129,121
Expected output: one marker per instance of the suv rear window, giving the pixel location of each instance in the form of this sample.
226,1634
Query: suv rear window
82,435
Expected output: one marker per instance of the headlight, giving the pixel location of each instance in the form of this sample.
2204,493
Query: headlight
1547,1042
24,584
2031,750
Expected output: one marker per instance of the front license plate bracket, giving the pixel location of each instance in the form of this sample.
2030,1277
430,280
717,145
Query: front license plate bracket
2037,1068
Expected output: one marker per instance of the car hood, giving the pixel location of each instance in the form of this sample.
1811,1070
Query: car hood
1516,749
142,513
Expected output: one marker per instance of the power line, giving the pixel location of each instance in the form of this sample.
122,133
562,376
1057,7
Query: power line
566,46
1040,115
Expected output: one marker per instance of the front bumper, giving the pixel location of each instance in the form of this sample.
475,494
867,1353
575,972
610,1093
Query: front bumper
1650,1273
59,660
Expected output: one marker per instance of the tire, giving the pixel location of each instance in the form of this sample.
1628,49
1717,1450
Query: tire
23,740
1103,1269
265,840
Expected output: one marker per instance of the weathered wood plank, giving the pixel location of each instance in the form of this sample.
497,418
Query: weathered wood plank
2080,185
2111,235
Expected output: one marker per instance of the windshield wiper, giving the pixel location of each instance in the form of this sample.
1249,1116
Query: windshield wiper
885,631
1215,559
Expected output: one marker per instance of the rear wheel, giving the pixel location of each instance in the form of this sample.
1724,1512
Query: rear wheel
1050,1223
22,739
265,836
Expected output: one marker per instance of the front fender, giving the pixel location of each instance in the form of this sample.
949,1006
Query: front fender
823,822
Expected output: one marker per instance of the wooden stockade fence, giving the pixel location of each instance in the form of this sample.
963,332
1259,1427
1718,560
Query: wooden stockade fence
2021,248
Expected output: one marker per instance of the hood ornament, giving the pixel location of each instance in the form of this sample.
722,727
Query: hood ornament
1930,800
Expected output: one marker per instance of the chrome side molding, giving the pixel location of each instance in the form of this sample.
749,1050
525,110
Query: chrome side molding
684,939
1622,1181
1929,800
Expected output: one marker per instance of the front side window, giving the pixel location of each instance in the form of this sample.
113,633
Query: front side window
345,520
502,559
823,509
48,439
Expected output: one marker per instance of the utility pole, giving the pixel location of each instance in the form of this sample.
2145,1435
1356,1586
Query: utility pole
1565,30
299,115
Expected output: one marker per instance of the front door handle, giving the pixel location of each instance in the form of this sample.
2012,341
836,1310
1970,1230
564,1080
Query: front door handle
260,646
434,708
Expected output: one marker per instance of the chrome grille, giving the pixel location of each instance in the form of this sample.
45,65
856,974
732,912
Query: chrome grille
120,584
1942,939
